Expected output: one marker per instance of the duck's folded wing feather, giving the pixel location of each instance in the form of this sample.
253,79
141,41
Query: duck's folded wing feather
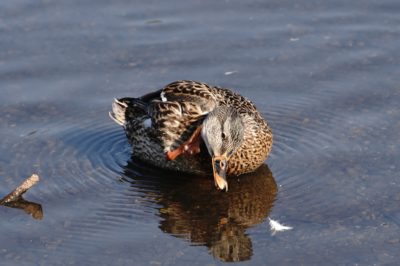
180,110
186,91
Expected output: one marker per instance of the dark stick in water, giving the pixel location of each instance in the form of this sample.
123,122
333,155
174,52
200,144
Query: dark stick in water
21,189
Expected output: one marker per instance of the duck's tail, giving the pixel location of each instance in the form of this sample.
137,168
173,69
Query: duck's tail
123,108
118,111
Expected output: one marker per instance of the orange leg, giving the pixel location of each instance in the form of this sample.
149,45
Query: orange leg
191,146
171,155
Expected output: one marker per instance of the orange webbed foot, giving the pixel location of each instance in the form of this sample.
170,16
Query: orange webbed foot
190,147
171,155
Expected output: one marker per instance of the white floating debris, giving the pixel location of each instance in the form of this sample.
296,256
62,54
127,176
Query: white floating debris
294,39
277,227
227,73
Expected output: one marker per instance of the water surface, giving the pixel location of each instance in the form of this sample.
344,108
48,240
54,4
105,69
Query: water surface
323,73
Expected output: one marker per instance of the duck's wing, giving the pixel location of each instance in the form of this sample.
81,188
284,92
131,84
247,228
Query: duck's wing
180,111
188,91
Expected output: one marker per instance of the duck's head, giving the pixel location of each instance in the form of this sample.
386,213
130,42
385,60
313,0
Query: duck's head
222,133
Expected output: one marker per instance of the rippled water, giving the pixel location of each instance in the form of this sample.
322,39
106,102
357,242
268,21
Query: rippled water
325,74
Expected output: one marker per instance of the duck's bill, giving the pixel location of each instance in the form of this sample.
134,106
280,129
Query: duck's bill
219,171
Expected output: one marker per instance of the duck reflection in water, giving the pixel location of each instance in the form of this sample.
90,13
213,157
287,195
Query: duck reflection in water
193,210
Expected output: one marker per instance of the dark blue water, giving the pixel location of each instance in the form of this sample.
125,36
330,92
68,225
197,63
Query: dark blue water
325,74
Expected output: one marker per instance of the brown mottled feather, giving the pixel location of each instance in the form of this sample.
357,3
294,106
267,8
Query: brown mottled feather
176,111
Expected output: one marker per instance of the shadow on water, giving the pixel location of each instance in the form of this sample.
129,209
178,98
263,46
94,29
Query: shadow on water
32,208
193,209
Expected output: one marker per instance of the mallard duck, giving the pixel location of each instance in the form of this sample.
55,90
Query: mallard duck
214,128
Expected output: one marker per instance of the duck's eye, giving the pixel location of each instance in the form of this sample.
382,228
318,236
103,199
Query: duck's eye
223,136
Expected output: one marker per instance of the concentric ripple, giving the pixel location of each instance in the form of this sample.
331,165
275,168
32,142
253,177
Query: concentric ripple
303,149
75,156
302,126
82,163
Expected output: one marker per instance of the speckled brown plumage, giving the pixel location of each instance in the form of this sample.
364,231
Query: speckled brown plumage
163,120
